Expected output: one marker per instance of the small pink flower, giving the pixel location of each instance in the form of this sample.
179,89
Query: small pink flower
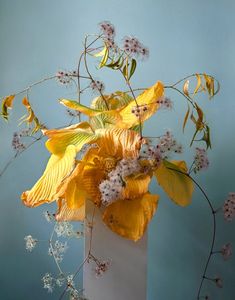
102,267
229,207
226,251
218,281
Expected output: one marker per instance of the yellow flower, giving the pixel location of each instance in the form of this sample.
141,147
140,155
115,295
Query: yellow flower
72,182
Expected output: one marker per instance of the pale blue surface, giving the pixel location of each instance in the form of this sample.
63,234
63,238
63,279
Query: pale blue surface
39,37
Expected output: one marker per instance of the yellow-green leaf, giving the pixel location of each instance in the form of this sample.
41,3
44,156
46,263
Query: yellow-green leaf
79,107
105,57
75,135
172,177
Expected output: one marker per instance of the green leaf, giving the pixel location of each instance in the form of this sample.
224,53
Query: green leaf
132,69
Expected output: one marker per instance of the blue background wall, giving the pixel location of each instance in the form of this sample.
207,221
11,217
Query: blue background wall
39,37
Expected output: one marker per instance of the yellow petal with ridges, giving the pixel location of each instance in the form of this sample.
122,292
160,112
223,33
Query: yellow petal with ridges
178,187
148,98
57,169
119,143
129,218
135,186
79,107
64,213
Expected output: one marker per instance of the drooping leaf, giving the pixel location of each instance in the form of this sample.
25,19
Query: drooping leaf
58,167
209,85
199,81
31,117
172,177
130,218
7,103
105,57
186,117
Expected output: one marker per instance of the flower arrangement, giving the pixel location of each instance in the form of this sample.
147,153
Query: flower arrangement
104,155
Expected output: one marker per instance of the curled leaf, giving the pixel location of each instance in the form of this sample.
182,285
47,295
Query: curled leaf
209,85
7,103
185,88
30,118
199,82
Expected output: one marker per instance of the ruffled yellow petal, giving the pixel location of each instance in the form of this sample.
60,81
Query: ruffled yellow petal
136,186
179,187
148,98
119,143
76,135
67,214
129,218
57,169
92,176
72,190
79,107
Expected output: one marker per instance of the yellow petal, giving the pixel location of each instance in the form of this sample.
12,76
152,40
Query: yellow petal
76,135
119,143
105,119
92,176
57,169
149,98
136,186
179,187
129,218
67,214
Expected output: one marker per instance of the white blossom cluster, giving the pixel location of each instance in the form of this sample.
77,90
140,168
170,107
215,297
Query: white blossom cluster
48,283
201,161
229,207
111,188
57,250
64,229
30,243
